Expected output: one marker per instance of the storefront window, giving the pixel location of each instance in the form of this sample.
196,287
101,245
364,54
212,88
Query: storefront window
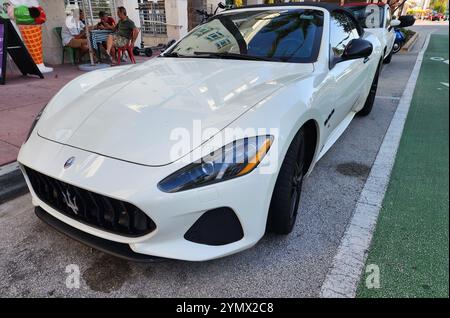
96,5
152,16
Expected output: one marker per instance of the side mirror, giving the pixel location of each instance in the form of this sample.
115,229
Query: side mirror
395,23
356,49
406,21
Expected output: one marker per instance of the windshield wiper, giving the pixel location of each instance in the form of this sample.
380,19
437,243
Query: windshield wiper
171,54
237,56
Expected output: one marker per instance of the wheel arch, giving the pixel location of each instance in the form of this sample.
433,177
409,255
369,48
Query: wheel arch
311,129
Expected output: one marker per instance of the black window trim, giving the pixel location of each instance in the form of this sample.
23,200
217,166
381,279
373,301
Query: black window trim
359,28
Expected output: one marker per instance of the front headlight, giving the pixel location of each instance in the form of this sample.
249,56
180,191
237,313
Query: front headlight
35,121
233,160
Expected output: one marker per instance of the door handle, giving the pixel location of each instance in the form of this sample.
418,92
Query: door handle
366,60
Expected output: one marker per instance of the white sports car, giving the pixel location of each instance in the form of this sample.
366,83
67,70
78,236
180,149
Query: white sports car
195,154
376,18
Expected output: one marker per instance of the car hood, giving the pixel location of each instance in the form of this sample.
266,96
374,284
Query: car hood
139,113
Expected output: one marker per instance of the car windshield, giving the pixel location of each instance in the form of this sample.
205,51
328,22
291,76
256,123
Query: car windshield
273,35
365,16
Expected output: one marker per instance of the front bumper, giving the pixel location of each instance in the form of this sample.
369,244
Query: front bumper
173,213
117,249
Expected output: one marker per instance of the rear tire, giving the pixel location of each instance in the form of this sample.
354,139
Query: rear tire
388,58
286,194
397,47
148,52
372,93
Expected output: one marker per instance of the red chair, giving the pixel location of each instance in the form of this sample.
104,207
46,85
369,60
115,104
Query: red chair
127,48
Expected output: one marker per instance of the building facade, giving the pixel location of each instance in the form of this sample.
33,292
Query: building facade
159,20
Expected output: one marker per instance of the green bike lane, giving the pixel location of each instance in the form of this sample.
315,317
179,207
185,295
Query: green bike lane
410,245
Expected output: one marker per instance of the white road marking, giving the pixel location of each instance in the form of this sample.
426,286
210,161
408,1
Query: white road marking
348,264
388,97
9,168
439,59
445,84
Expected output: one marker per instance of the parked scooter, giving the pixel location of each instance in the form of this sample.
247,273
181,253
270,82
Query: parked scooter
205,15
400,38
148,51
399,41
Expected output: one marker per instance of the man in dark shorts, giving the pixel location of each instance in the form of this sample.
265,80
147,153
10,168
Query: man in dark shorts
125,32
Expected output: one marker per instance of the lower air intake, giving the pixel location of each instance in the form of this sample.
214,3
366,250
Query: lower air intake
216,227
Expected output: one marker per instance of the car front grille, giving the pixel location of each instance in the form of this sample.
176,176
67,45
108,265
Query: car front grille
93,209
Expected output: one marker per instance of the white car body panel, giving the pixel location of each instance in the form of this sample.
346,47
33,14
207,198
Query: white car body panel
116,123
386,37
157,96
385,34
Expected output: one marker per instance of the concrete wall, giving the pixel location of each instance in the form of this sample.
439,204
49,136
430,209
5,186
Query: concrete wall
154,40
176,18
55,11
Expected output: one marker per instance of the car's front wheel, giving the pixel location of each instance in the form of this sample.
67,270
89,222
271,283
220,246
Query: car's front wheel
286,195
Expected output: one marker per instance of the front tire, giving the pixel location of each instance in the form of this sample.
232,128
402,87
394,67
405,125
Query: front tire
286,194
368,105
388,58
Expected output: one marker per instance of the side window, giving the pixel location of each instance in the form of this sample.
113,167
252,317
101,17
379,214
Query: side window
342,31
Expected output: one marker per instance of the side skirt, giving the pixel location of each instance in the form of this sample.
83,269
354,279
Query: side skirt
336,133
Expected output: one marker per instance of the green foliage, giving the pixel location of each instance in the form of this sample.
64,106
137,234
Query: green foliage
439,5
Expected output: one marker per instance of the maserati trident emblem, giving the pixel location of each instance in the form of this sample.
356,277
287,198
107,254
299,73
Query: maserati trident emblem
71,203
69,162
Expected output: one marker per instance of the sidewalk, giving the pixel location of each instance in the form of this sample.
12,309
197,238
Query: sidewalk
22,98
410,245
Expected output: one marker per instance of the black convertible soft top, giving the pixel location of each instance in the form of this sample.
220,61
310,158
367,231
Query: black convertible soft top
331,7
326,5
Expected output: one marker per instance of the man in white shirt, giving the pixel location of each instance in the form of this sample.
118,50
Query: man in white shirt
73,34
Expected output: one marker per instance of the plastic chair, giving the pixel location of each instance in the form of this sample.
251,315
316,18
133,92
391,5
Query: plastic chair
71,51
127,48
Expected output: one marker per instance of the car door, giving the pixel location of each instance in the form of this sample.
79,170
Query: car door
349,76
389,31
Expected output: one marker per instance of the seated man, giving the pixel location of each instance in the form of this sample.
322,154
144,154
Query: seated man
106,22
74,35
125,31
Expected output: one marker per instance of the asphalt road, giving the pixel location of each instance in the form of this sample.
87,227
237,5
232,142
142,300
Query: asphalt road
34,257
